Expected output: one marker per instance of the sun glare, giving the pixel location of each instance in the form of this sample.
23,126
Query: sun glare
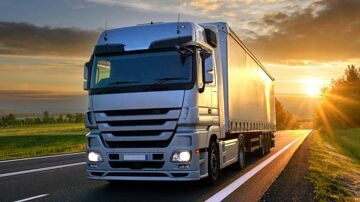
312,86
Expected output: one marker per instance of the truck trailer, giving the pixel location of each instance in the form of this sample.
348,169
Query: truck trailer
175,102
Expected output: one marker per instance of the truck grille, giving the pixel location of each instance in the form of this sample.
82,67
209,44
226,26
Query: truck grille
137,128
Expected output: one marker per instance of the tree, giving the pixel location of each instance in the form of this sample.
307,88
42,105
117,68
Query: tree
79,118
341,105
46,117
60,119
70,118
352,74
285,119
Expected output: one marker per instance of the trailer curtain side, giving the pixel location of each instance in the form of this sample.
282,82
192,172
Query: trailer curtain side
250,90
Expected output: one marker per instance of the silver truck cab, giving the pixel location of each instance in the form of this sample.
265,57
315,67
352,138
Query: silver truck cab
175,102
153,102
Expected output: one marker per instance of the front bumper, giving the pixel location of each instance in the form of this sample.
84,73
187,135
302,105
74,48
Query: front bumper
168,171
145,175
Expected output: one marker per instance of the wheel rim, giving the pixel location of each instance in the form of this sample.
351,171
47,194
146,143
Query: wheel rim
214,163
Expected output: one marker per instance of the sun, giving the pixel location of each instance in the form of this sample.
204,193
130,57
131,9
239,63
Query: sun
312,86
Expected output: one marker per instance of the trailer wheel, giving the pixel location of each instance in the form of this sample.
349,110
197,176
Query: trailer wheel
241,153
213,163
268,143
262,150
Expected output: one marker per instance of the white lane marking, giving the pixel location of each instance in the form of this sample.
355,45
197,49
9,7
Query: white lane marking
32,198
40,169
41,157
222,194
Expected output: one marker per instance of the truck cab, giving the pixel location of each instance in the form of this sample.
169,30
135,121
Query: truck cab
157,107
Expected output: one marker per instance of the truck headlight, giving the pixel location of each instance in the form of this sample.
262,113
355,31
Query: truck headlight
94,156
181,156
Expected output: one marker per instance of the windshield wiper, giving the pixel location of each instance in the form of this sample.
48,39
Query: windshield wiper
122,82
111,85
163,80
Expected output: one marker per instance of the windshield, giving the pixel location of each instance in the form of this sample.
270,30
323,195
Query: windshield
141,69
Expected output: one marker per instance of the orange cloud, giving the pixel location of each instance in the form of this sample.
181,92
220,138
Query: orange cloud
325,30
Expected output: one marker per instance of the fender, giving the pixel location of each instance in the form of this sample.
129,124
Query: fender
213,130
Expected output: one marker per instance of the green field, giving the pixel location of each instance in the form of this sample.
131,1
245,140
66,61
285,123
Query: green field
40,140
334,165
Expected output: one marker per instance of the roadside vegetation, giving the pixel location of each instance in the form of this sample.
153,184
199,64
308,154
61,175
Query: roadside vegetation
334,172
284,118
11,120
41,139
334,162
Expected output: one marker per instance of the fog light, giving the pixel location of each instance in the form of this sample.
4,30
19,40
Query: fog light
181,156
94,156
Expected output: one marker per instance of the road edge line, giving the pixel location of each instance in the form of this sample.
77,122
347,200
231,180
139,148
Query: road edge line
223,193
40,169
41,157
32,198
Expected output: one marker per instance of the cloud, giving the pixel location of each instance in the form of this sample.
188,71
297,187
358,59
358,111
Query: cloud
236,12
28,39
324,30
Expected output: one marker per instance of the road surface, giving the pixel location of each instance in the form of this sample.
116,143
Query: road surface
62,178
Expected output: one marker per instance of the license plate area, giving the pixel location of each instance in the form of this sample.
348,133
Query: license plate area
135,157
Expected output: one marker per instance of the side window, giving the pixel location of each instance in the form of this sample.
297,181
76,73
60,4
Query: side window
103,72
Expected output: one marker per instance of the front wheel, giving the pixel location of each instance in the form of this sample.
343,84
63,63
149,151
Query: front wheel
213,163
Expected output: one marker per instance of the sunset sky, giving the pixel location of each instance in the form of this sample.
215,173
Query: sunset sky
303,43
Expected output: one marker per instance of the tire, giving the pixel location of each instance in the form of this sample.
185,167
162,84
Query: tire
241,153
268,143
213,163
262,150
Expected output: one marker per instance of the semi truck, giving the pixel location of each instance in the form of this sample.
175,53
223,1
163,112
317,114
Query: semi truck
175,102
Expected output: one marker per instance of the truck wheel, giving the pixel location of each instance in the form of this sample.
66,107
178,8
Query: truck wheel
241,153
262,150
268,143
213,163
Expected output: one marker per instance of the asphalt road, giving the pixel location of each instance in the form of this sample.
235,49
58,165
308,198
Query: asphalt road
62,178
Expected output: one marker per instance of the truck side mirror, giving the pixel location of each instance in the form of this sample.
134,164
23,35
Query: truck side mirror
200,71
86,74
208,67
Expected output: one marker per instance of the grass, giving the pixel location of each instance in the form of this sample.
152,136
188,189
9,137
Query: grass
40,140
348,142
334,165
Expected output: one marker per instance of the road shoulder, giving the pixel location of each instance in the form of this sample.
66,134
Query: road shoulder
293,183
